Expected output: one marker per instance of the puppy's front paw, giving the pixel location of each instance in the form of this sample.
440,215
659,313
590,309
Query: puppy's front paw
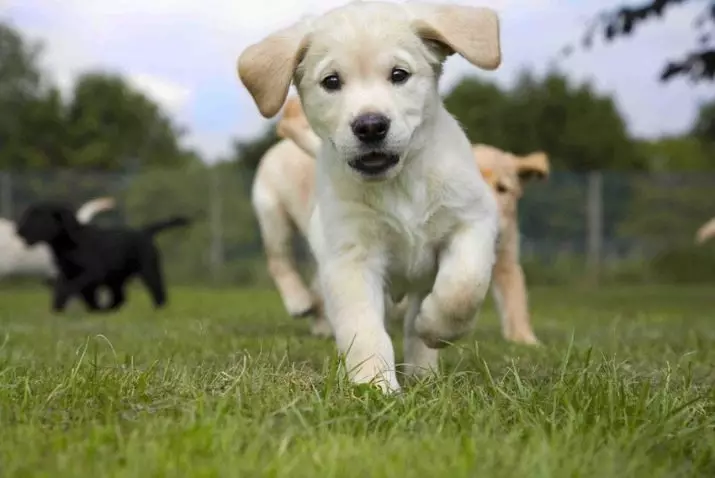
439,326
524,338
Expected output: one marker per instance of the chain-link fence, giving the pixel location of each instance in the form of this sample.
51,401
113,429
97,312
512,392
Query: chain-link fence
597,226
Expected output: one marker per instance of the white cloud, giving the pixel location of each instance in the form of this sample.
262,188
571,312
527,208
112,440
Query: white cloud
183,53
170,95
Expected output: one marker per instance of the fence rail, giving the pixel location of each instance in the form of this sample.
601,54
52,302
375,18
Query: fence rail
600,225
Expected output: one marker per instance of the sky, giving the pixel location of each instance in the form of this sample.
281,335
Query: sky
183,54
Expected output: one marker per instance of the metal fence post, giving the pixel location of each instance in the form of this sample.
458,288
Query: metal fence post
215,216
6,194
594,224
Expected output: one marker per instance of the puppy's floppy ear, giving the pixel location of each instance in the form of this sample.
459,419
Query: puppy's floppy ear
534,165
472,32
266,68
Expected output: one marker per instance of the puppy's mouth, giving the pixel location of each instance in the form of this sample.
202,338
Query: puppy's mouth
374,163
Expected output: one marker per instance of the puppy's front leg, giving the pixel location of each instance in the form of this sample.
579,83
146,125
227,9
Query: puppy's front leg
354,302
465,268
65,288
60,294
420,360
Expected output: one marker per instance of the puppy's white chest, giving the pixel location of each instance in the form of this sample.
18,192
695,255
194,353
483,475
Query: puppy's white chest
412,232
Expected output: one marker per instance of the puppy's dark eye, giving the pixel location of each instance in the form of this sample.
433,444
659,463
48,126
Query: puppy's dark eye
501,189
399,76
331,82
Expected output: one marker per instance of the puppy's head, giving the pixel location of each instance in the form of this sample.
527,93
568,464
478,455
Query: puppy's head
507,174
367,74
47,222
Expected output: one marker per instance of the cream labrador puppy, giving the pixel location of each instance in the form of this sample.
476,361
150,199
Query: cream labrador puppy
282,206
400,207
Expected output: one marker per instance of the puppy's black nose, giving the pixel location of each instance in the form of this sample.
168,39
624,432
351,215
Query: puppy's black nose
370,127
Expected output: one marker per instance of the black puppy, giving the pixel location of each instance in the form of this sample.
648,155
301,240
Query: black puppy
88,256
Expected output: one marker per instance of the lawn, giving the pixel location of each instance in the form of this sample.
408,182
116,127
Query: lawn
222,383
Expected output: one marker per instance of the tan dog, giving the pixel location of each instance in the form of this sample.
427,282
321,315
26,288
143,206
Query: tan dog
282,193
706,232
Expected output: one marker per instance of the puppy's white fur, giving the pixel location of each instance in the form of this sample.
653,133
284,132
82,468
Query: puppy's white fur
427,228
17,259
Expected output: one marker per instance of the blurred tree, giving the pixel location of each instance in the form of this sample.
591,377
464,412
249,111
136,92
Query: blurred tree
704,127
580,129
105,125
20,76
692,151
677,153
113,126
623,21
248,153
482,109
24,102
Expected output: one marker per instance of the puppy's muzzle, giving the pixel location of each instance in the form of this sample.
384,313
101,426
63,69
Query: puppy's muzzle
370,128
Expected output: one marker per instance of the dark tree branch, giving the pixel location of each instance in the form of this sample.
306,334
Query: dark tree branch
624,21
699,65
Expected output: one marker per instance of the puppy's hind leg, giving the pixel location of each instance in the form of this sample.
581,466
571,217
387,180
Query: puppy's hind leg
276,233
321,326
151,275
118,296
89,294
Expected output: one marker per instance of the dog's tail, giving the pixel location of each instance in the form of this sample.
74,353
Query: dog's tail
91,208
705,232
156,227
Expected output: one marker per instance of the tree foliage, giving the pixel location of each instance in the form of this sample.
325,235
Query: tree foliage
111,124
625,20
580,129
248,153
704,127
103,124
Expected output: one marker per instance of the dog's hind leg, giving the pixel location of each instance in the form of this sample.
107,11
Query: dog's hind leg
509,291
118,296
89,294
150,273
320,326
276,234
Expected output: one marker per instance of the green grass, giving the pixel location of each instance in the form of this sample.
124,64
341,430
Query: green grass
223,383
